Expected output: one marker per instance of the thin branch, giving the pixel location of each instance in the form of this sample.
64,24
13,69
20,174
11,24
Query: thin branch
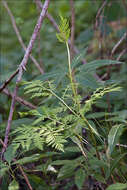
8,80
19,99
72,27
118,43
25,176
121,54
19,36
20,167
22,67
99,13
118,58
51,19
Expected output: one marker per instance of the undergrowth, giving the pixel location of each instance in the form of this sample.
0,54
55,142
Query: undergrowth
64,136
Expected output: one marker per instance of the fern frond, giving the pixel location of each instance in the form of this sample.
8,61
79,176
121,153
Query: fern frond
64,34
97,95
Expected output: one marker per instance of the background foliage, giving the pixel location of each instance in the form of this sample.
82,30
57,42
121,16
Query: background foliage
57,160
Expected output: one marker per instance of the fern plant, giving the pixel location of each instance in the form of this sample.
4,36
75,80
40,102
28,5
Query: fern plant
55,126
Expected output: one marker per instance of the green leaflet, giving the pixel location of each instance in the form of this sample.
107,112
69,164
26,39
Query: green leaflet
77,59
3,169
80,176
93,65
114,164
10,152
113,137
29,159
67,171
13,185
117,186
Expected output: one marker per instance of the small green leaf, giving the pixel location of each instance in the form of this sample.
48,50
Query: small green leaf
28,159
77,59
117,186
116,161
3,169
113,137
13,185
67,171
10,152
99,177
93,65
80,176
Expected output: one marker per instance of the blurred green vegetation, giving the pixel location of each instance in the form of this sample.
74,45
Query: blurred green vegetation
52,57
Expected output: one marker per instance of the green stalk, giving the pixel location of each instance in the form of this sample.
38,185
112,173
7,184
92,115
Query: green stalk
70,71
71,77
75,97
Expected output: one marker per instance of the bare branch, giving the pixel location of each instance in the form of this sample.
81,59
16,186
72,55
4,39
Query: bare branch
19,36
118,43
51,19
22,67
19,99
8,80
99,13
25,176
121,54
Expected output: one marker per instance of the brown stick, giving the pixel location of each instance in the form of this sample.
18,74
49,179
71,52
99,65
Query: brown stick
72,28
19,36
25,176
22,67
20,167
19,99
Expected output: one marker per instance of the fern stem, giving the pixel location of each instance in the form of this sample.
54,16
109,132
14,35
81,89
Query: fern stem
75,97
71,77
70,71
61,100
